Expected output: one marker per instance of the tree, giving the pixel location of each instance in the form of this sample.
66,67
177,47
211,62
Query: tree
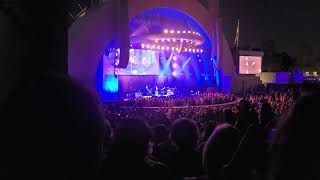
287,62
269,47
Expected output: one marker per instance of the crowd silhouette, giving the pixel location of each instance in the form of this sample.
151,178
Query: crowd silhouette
53,128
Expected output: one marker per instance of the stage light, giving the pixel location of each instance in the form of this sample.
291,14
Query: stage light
167,48
172,48
201,51
181,40
174,65
168,40
174,40
178,32
198,51
131,50
135,72
194,50
185,49
198,55
162,40
174,73
172,31
158,47
200,60
184,32
190,50
174,58
189,32
153,47
162,47
166,31
193,32
156,40
148,46
177,49
142,45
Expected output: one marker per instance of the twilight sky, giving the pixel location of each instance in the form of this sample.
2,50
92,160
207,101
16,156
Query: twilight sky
289,22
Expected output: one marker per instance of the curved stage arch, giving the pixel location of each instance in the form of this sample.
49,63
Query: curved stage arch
90,35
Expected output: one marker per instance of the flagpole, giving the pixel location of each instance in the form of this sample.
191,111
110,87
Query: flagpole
236,40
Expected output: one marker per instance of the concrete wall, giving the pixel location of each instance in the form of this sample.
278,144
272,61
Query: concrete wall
275,77
88,36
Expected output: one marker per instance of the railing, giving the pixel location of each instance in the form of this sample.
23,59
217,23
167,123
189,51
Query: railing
185,107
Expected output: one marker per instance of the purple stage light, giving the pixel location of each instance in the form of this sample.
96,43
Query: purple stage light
174,58
174,73
174,65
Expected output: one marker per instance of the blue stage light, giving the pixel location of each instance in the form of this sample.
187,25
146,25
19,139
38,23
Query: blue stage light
111,84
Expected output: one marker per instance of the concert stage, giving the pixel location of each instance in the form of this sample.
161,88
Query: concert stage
171,44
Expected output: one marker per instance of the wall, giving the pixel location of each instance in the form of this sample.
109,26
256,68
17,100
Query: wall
275,77
88,37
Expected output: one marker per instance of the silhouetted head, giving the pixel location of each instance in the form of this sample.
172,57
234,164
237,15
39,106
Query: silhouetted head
297,144
266,113
244,106
160,133
131,139
208,131
228,116
184,133
219,148
245,117
53,129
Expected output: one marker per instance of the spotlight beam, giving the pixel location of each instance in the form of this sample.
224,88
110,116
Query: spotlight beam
186,63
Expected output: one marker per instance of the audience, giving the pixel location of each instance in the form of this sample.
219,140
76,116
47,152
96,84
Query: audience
52,129
128,156
219,151
233,138
296,146
60,133
186,161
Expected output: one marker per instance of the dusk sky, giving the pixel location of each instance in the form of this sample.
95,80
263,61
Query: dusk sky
289,22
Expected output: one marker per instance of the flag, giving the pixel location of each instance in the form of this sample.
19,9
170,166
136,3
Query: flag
236,40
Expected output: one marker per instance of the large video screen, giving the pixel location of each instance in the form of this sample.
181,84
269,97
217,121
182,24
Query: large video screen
141,62
250,64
